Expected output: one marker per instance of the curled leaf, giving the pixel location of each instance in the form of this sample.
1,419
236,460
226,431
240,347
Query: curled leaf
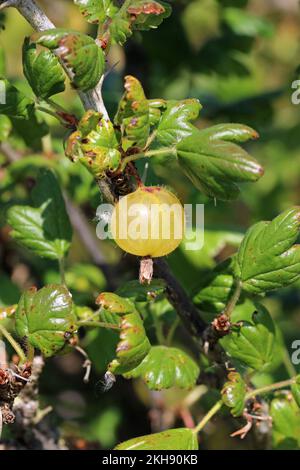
133,343
94,144
78,52
133,115
165,367
233,393
43,71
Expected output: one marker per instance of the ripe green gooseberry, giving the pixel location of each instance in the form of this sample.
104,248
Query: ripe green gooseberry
149,222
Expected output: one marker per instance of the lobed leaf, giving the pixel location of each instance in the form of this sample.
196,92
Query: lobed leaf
214,163
166,367
45,318
94,144
173,439
78,52
118,22
253,342
267,258
175,124
43,71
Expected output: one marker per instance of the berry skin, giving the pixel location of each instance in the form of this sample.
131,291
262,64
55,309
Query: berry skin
148,222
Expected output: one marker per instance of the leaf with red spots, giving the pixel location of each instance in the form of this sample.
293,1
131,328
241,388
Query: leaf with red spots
133,343
133,115
78,52
118,22
45,318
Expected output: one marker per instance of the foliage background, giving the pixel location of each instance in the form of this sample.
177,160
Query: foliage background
239,58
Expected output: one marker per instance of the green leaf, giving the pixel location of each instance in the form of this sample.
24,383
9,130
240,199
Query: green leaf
267,258
96,11
43,71
5,127
147,14
252,343
215,163
296,390
17,104
215,289
233,394
94,144
173,439
45,318
133,115
165,367
119,23
175,123
246,24
44,228
9,292
133,345
286,423
138,292
78,52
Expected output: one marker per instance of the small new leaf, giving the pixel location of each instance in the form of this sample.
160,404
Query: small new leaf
214,163
43,71
253,342
133,115
78,52
44,227
94,144
97,11
173,439
17,105
267,258
233,394
45,318
165,367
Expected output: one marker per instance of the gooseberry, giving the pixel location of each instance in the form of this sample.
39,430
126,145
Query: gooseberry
148,222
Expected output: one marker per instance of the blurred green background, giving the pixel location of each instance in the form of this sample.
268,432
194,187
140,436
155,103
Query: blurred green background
239,58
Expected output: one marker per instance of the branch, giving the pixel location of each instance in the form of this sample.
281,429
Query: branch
40,22
177,296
